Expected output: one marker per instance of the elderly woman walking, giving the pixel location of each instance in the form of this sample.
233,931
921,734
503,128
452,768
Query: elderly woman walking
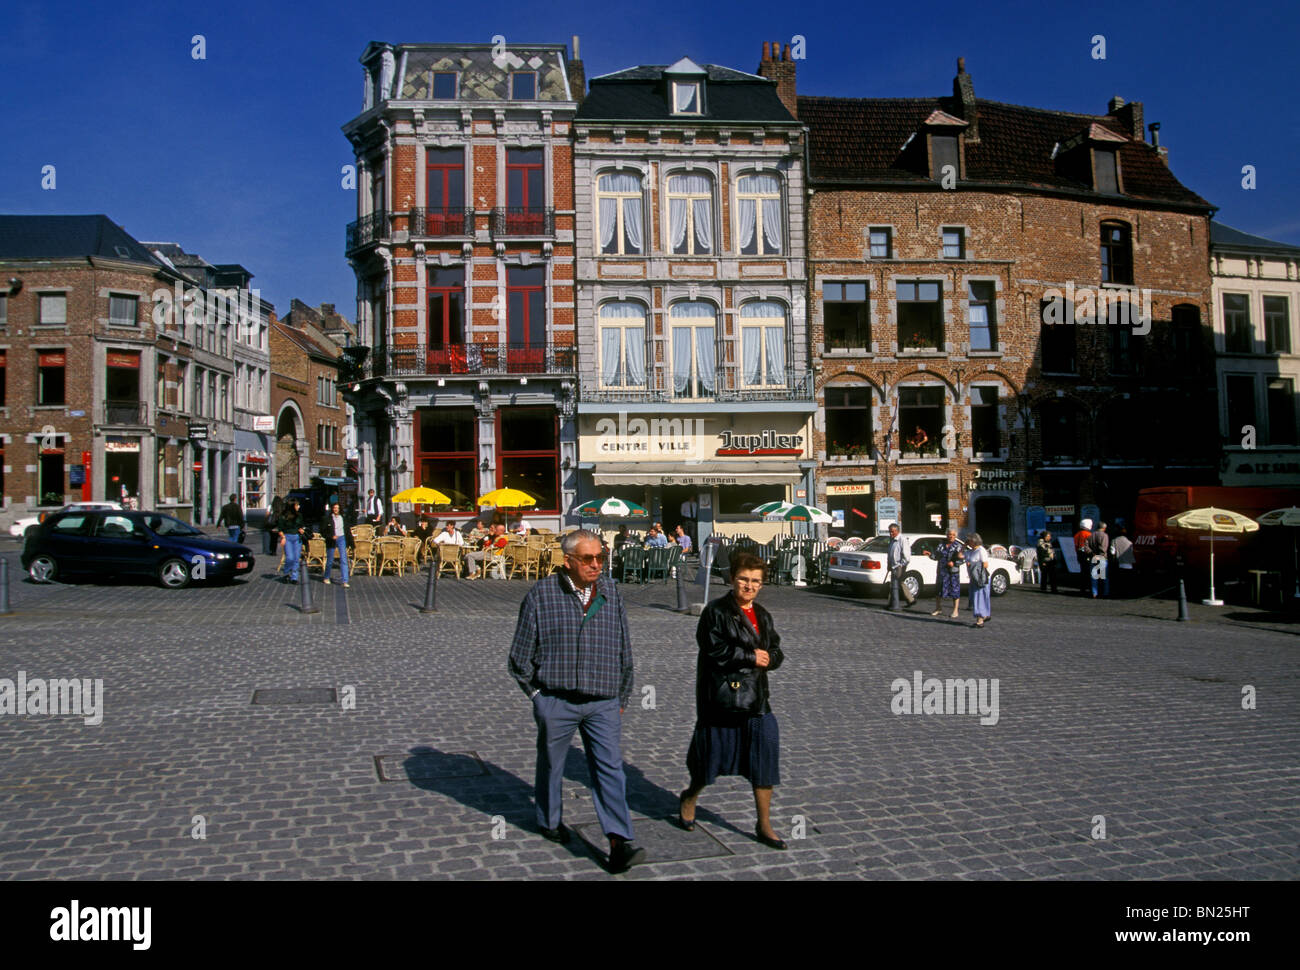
977,569
948,559
735,731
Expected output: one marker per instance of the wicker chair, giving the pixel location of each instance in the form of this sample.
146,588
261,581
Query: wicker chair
447,557
411,546
532,560
389,554
315,553
363,532
556,554
363,554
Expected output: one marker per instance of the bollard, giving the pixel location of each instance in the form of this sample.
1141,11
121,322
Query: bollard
682,605
431,589
893,591
1182,601
304,583
4,588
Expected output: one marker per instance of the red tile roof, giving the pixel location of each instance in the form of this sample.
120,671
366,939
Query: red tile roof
861,140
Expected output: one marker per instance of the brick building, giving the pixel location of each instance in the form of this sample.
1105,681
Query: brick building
313,427
938,229
1256,293
695,382
104,377
463,253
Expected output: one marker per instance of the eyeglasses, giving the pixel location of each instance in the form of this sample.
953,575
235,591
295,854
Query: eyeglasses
587,560
749,582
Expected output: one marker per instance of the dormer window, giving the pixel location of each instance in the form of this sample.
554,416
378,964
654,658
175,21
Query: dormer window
944,152
1105,170
444,86
523,86
686,98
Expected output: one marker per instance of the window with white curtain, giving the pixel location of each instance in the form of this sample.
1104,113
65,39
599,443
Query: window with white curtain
758,206
622,345
694,332
762,344
618,214
690,215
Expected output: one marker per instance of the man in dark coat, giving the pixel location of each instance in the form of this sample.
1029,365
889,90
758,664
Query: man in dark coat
334,529
232,517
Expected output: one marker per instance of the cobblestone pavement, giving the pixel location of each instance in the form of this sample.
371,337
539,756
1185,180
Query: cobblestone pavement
1105,708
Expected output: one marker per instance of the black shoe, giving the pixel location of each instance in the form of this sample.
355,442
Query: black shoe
682,823
624,856
559,835
770,843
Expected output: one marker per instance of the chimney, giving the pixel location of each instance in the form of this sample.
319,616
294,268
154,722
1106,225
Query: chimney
1155,142
963,92
777,66
577,74
1129,115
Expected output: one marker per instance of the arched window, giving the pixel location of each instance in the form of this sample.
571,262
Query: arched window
690,215
763,344
622,345
619,214
694,332
758,206
1116,253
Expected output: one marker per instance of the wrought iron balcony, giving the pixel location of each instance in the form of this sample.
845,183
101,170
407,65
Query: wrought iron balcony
727,386
129,413
474,360
518,221
367,230
437,222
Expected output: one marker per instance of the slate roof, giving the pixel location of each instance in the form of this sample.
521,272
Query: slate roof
861,140
65,237
640,94
482,78
1228,238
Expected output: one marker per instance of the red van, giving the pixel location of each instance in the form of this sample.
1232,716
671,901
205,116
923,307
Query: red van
1156,545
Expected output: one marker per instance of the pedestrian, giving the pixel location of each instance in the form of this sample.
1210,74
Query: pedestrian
270,528
690,512
374,509
232,517
334,529
493,542
1046,562
736,732
1082,538
897,561
948,559
1125,561
292,527
1098,556
977,569
572,656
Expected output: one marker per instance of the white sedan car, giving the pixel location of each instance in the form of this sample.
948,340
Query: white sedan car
864,569
20,527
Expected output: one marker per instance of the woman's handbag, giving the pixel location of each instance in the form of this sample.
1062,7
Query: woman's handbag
979,575
736,691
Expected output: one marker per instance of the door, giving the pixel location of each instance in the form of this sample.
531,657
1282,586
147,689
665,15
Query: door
993,519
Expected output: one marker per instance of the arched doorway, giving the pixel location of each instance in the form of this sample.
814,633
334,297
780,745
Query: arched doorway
288,432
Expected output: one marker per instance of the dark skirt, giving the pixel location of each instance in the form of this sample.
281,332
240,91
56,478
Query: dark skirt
751,749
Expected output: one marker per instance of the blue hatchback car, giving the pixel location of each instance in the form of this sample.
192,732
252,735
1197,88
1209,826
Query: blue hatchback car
121,543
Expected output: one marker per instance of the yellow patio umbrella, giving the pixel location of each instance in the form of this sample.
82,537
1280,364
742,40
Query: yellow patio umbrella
1213,520
422,495
506,498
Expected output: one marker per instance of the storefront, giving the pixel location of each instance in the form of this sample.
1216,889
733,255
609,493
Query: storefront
719,466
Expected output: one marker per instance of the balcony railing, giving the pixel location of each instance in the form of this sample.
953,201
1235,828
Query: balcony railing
516,221
728,386
133,413
367,230
473,360
441,222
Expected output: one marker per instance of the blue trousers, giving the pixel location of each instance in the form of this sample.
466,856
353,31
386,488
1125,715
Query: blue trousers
1104,580
234,531
341,544
600,725
292,547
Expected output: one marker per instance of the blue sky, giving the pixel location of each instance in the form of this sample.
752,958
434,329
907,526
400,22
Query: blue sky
237,157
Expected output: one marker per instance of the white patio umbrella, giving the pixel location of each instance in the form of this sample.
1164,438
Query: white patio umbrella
1213,520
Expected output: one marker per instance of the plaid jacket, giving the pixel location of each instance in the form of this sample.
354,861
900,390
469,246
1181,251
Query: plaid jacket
559,648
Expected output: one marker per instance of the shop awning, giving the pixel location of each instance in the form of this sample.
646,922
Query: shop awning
704,473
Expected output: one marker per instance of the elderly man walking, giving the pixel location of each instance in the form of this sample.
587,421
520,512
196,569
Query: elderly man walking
897,560
572,656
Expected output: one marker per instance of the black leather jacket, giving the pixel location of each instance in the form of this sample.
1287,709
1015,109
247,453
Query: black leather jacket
327,530
727,643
